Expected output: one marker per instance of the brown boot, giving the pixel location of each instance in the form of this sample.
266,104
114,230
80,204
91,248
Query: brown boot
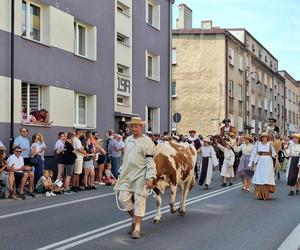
136,235
12,196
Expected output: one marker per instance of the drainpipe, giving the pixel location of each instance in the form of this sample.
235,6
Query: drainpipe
170,68
226,75
284,113
12,74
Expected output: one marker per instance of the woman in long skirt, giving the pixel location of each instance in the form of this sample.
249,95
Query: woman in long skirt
244,171
293,152
208,160
262,155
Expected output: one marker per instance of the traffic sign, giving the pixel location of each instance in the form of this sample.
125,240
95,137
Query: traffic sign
177,117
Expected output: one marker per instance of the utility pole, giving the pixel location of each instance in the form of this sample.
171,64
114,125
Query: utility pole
12,74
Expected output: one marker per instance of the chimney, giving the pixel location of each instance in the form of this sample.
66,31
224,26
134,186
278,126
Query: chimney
185,17
206,24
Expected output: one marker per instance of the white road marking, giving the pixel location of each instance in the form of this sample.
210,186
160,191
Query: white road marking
125,223
54,205
292,242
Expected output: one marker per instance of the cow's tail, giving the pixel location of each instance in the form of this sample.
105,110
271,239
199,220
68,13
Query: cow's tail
192,183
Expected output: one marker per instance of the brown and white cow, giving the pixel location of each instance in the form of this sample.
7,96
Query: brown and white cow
175,164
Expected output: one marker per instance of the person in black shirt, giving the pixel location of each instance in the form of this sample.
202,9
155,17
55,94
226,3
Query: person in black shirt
68,159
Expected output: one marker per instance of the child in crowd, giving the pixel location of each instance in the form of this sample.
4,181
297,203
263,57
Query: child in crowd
88,166
45,184
227,171
108,178
3,172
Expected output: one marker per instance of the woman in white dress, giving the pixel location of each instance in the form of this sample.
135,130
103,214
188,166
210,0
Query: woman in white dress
227,171
244,171
208,160
262,155
292,151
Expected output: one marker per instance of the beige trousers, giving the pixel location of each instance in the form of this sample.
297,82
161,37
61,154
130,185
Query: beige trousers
130,200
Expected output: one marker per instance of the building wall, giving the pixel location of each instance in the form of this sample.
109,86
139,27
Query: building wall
147,92
200,82
54,65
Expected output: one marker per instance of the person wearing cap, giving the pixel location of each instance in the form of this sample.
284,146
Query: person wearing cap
195,140
272,129
227,129
227,171
137,174
293,152
244,172
262,156
208,160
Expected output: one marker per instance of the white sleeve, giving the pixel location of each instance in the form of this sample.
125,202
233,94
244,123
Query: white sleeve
214,158
221,147
232,158
253,154
237,149
9,161
1,144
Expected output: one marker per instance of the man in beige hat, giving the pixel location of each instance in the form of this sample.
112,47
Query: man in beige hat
136,175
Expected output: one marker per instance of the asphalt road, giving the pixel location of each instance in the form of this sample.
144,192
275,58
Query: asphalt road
220,218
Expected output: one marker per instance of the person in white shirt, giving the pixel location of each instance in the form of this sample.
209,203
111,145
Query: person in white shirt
244,171
59,151
227,171
17,170
208,160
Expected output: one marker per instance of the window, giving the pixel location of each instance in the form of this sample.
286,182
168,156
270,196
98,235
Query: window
240,93
80,39
266,59
173,89
123,39
123,70
241,63
153,14
81,110
31,97
230,89
31,21
153,119
122,8
231,56
152,66
174,56
240,124
253,48
122,100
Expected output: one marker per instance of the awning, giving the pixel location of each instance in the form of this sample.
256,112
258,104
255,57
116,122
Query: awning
120,114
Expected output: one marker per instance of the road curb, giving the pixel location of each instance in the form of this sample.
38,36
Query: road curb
292,242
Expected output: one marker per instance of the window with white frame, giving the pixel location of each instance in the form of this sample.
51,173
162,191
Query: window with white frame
122,70
152,66
122,100
173,89
231,56
31,20
122,8
240,93
31,97
241,63
80,32
153,14
153,119
123,39
81,110
230,89
174,56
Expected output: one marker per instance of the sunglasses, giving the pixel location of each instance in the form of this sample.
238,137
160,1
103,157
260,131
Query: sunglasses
18,151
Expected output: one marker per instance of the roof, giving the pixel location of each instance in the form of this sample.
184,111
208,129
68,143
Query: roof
198,31
289,76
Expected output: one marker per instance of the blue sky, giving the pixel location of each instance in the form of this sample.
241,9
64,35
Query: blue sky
275,23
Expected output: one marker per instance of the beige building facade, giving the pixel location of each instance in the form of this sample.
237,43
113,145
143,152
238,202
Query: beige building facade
220,73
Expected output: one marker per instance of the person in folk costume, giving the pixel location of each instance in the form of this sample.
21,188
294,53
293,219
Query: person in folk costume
262,156
272,129
277,146
207,162
227,129
227,171
244,171
195,140
293,152
137,173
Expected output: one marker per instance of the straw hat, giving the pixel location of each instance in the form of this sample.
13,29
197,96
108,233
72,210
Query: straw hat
176,137
296,135
226,120
192,131
264,134
136,121
206,139
249,137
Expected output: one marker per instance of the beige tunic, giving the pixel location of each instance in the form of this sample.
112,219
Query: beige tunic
138,165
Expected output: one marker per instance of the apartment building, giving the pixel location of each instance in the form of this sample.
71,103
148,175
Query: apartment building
291,103
86,63
221,73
